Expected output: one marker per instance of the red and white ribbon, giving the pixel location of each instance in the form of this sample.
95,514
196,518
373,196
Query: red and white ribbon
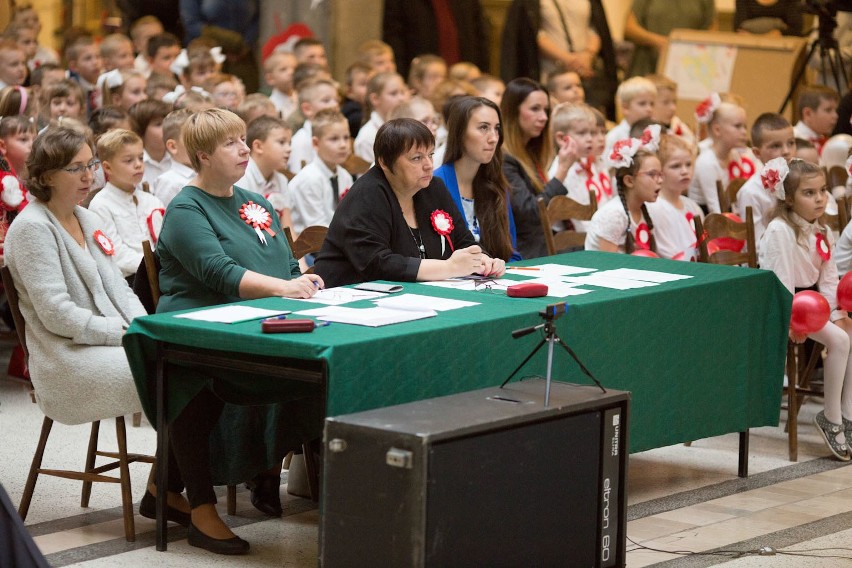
823,250
258,218
104,242
443,225
155,223
606,183
743,169
592,185
643,236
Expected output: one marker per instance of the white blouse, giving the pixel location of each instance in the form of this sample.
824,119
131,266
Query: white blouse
674,230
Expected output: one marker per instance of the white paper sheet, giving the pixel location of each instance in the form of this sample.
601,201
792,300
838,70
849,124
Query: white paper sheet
557,288
545,270
232,314
339,296
472,285
643,275
609,282
373,317
417,302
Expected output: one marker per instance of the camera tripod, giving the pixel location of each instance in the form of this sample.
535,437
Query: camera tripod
550,314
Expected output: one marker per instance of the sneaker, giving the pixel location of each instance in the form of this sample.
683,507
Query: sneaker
829,431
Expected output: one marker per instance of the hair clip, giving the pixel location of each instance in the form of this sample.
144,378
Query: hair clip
706,108
623,152
772,176
111,79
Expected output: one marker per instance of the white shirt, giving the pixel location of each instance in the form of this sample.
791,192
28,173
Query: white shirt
797,264
674,230
128,219
313,201
611,223
154,169
284,103
762,202
805,132
275,189
301,148
578,183
363,147
171,182
843,251
741,163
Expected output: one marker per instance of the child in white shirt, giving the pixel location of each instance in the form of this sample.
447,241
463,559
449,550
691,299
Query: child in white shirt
146,118
314,96
314,195
278,74
817,107
180,173
130,215
635,97
385,92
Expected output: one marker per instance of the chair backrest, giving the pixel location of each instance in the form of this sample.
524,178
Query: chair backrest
715,226
152,267
309,242
356,165
837,176
838,222
562,208
732,190
724,200
17,316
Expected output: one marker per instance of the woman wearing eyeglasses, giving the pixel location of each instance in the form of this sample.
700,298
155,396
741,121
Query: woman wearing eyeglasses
73,297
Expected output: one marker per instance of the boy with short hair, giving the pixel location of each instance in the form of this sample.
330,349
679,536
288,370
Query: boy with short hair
489,87
357,76
146,119
771,137
278,73
255,106
117,52
84,64
314,96
129,214
635,97
817,107
310,50
141,31
27,40
180,173
665,108
268,138
378,55
13,64
320,186
162,51
565,86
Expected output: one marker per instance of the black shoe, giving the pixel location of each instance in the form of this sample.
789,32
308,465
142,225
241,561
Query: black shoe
265,494
234,545
148,509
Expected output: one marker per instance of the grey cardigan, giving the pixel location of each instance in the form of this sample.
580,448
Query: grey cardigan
76,306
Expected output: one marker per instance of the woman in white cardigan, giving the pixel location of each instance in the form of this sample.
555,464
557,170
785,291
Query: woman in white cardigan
73,298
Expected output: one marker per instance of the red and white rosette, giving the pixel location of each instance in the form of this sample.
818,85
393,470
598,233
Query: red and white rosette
605,183
643,236
104,242
772,176
706,108
155,223
592,185
258,218
744,168
622,153
443,225
822,247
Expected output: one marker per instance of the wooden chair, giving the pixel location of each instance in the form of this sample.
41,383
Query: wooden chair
309,242
91,473
728,195
837,176
838,222
559,209
716,225
355,165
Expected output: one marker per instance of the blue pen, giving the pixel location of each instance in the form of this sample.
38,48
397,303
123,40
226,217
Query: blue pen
283,317
323,324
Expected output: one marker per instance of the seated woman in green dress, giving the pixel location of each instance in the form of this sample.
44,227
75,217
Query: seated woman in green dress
221,244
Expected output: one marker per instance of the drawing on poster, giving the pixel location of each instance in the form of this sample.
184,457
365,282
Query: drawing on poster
700,69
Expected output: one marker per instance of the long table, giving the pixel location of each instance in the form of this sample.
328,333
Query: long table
702,356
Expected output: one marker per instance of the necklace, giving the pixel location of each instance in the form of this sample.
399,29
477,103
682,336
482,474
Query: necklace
418,240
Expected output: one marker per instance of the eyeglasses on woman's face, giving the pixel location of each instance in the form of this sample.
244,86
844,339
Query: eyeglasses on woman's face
79,169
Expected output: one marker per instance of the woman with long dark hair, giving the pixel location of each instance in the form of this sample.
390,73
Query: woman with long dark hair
527,153
473,173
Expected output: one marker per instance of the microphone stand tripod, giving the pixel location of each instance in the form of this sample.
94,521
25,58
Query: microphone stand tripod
550,314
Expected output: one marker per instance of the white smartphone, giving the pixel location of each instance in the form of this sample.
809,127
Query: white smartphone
378,287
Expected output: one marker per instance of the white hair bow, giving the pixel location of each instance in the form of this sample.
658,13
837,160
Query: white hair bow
180,63
111,79
705,109
217,55
623,152
773,174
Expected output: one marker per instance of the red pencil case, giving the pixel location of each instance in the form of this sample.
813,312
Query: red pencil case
527,290
287,326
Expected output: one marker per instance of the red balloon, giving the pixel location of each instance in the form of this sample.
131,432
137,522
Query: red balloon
810,312
726,243
844,292
733,217
645,252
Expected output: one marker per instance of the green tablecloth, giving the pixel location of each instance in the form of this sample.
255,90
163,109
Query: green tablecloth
702,356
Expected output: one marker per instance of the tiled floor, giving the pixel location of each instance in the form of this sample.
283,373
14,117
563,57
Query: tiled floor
680,499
